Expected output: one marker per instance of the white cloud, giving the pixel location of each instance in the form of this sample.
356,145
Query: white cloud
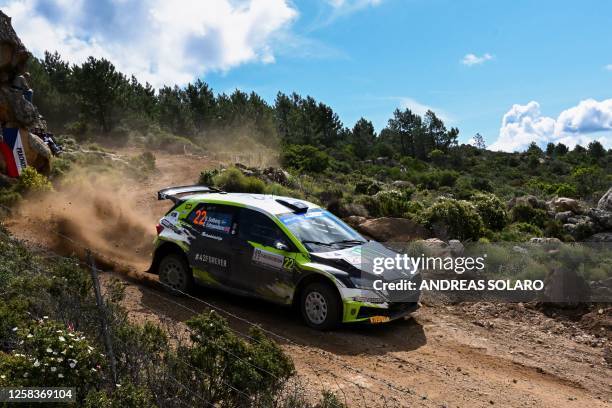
159,41
353,4
420,109
608,67
588,121
473,59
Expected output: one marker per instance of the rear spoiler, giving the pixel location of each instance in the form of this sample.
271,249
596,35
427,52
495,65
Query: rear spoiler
172,193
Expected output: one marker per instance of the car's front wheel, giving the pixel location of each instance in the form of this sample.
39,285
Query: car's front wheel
175,274
320,306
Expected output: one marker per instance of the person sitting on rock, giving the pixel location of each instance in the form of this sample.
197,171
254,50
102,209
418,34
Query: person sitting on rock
21,83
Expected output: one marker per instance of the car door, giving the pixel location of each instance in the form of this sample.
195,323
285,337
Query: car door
264,257
211,252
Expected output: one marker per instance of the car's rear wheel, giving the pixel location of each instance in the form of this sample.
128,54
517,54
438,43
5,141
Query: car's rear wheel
175,274
320,306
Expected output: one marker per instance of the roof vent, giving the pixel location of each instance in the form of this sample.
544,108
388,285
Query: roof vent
296,206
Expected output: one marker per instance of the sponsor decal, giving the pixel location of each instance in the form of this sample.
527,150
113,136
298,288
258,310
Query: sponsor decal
211,236
167,224
211,260
173,215
219,222
268,258
188,206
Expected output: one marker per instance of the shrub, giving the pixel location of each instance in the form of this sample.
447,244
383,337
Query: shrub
52,355
566,190
32,181
527,214
232,180
124,396
215,349
207,177
305,158
449,218
390,203
519,232
491,209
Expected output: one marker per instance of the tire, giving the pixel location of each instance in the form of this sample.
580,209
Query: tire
320,306
175,274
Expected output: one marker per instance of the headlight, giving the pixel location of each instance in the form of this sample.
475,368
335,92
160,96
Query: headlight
362,283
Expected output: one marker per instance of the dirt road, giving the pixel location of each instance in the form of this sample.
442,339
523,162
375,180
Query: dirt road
445,356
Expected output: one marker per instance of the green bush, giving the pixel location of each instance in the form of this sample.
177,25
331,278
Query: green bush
305,158
527,214
232,180
491,209
207,177
389,203
49,354
566,190
124,396
520,232
257,366
458,219
32,181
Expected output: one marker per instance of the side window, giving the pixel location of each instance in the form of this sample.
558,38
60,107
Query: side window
212,218
257,227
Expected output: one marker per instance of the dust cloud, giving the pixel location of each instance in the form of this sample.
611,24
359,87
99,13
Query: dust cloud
103,213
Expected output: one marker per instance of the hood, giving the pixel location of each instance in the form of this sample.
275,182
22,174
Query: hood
359,262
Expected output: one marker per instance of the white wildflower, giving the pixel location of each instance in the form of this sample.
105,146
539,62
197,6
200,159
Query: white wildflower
36,363
53,369
14,329
60,375
30,335
49,350
61,338
72,365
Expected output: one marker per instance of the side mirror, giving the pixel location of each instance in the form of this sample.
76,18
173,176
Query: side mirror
281,246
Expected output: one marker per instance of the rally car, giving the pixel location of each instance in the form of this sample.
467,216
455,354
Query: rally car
281,249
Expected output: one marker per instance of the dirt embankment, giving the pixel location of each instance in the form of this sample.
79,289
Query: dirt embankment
445,356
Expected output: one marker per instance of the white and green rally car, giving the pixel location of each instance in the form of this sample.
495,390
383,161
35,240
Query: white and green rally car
281,249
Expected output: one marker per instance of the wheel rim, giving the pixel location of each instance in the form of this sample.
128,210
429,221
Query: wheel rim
173,275
316,307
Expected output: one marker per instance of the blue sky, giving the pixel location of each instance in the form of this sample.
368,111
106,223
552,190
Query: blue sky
515,71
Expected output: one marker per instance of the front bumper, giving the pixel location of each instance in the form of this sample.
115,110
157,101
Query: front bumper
357,312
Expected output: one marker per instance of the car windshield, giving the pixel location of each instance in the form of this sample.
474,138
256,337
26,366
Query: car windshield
321,231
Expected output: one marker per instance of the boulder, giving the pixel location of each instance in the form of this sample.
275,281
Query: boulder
435,247
605,202
602,218
392,229
563,216
456,247
355,220
561,204
547,241
600,237
402,185
565,286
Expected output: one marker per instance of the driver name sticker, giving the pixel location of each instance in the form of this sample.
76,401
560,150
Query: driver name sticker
268,258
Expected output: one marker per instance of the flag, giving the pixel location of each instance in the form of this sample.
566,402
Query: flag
12,149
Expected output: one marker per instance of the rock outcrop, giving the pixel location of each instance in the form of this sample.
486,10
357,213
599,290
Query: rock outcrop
15,110
388,229
605,202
